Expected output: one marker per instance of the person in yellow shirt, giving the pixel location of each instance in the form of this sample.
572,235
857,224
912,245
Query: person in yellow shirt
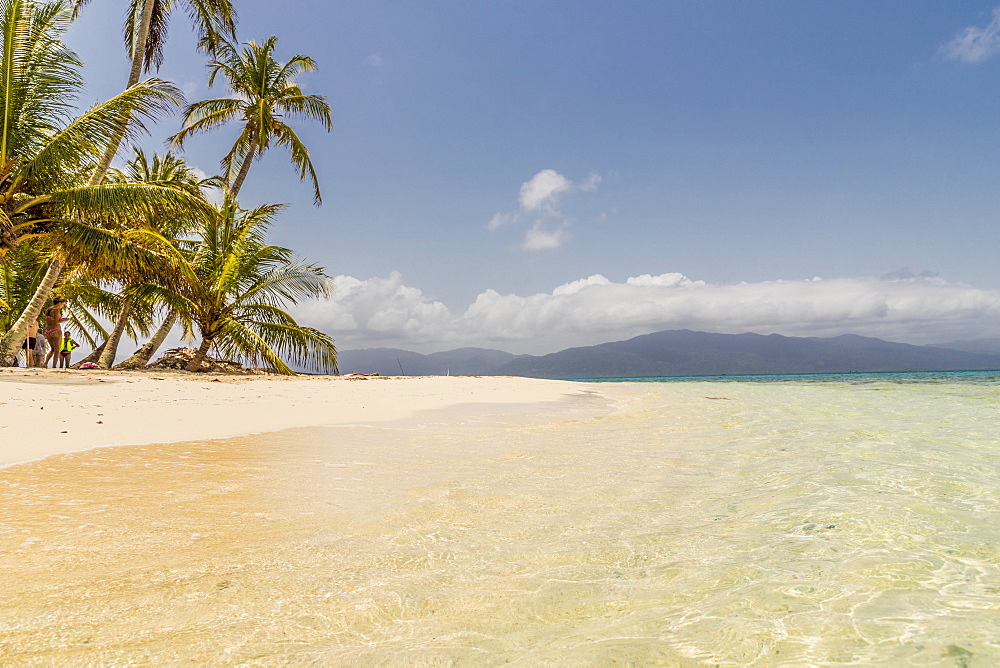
66,349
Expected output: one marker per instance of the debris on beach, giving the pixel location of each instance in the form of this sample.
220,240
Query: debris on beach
178,358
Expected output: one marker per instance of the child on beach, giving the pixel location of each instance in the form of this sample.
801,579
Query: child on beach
41,351
66,350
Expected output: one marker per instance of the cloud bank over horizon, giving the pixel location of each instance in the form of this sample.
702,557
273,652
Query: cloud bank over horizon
385,312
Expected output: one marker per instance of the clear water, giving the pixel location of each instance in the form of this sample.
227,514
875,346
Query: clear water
812,521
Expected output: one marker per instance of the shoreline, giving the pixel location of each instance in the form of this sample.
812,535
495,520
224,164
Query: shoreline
45,412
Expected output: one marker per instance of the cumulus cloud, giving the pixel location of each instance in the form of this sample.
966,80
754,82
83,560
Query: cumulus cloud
542,190
537,202
975,44
912,308
540,238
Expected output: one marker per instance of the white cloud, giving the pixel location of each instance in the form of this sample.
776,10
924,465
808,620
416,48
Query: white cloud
975,44
385,312
539,238
501,219
542,190
377,309
537,200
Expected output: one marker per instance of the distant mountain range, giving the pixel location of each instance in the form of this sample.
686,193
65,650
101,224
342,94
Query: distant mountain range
686,353
984,346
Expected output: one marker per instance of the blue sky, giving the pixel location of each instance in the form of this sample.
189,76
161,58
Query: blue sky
534,175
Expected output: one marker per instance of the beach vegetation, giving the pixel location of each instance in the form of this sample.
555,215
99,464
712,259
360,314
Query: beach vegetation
145,33
233,290
264,94
124,243
162,230
48,154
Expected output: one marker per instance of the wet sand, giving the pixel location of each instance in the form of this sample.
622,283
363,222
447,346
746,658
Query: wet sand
222,551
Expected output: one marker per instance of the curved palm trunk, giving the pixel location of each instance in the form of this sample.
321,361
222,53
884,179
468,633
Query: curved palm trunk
244,169
107,357
12,340
199,356
142,356
138,59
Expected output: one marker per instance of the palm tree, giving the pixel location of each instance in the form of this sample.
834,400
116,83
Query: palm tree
145,32
236,289
169,171
47,156
264,93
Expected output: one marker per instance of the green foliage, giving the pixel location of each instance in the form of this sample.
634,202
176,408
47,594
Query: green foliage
147,228
244,284
238,287
264,93
213,20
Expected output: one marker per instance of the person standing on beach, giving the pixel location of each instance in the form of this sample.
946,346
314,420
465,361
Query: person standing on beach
66,348
41,350
29,345
53,330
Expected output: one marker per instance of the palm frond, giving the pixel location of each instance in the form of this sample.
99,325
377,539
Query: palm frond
262,89
93,131
300,158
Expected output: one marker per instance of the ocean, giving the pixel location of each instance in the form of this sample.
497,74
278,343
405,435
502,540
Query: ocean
792,520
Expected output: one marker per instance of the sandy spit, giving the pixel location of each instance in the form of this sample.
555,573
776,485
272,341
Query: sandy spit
48,411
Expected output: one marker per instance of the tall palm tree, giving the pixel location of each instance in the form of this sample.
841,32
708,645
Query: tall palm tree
145,32
237,287
47,156
264,94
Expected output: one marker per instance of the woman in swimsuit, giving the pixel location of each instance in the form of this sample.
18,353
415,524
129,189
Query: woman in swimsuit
53,330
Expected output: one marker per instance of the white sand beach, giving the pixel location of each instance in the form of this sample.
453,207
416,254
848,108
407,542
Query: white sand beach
47,411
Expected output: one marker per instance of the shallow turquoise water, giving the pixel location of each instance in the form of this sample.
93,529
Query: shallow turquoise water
801,522
986,377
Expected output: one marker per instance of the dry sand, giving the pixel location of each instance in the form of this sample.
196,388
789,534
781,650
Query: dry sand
49,411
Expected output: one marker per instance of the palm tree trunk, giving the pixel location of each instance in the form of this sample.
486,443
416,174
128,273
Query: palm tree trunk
142,356
12,340
107,357
138,59
141,38
199,356
244,169
105,354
